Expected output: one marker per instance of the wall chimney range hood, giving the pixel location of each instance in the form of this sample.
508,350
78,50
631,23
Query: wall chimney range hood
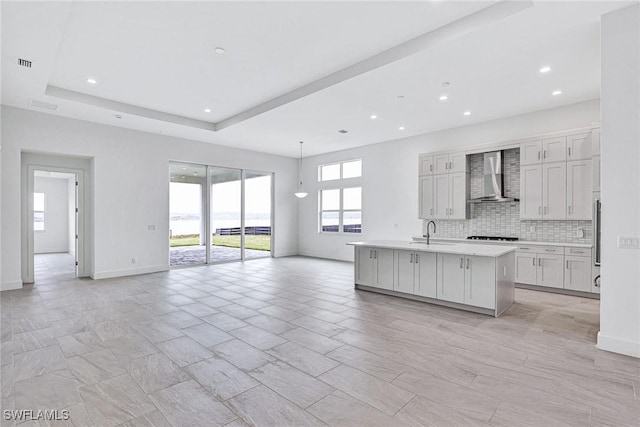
492,186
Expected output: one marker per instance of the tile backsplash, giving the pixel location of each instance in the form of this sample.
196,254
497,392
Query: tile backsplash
503,219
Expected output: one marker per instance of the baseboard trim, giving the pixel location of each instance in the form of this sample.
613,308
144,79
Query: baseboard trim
616,345
129,272
324,256
10,286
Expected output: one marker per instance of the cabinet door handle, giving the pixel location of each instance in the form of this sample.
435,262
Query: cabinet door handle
370,254
461,262
569,209
569,151
431,211
451,211
567,264
539,262
430,168
467,263
411,261
539,210
538,155
450,165
546,210
534,260
417,258
544,154
375,254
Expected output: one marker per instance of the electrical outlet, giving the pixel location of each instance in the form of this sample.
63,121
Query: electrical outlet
151,227
627,242
580,232
461,226
532,229
395,226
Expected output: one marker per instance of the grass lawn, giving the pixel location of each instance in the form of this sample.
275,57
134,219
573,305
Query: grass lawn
261,243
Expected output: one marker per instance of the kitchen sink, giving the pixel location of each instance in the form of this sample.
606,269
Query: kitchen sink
433,243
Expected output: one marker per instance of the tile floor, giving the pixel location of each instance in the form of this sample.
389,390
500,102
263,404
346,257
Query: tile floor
289,342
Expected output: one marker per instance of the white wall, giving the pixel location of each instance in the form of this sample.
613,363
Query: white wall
130,188
390,175
620,191
55,236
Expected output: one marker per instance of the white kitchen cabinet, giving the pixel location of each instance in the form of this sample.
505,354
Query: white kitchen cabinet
577,275
441,196
480,281
595,142
554,149
404,272
531,153
554,190
526,268
426,198
579,146
531,192
450,280
426,164
374,267
458,195
579,190
595,168
425,274
450,162
550,270
415,273
457,162
441,163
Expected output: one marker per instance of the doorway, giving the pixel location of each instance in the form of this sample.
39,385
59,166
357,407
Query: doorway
55,225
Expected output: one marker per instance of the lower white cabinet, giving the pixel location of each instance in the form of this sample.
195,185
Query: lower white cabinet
577,276
526,268
449,194
374,267
415,273
550,270
467,280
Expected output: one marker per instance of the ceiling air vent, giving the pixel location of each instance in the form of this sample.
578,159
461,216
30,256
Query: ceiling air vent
42,104
24,63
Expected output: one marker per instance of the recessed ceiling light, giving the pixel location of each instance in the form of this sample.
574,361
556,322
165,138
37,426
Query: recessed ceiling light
373,117
400,96
118,116
343,131
467,113
91,81
184,169
195,173
443,97
207,110
183,176
545,69
401,128
556,92
219,50
445,84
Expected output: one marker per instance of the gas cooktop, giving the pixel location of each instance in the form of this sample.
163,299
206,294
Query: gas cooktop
500,238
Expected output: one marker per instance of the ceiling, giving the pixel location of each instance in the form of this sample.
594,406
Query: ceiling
288,73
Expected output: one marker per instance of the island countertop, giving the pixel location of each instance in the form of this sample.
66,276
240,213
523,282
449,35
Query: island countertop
439,247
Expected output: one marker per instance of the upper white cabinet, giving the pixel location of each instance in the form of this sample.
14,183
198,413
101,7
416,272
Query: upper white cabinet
426,164
458,192
449,163
441,196
554,190
579,177
531,191
531,153
426,198
554,149
579,146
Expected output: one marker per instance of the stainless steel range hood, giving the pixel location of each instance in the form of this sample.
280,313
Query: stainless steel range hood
492,180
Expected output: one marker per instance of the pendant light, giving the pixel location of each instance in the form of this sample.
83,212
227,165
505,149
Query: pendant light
300,194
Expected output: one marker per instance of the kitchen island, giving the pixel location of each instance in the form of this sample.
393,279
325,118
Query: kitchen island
473,277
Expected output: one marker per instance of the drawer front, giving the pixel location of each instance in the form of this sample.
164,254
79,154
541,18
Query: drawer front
550,250
527,249
577,251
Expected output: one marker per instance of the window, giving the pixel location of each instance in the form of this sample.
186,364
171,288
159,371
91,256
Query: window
341,210
342,170
38,211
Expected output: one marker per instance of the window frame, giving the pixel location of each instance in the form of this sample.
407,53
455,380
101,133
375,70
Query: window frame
341,211
341,177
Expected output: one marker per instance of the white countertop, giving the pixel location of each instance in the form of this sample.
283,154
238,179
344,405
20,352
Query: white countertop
477,249
498,242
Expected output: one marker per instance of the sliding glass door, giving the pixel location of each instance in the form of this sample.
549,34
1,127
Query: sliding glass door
226,214
218,214
187,225
257,214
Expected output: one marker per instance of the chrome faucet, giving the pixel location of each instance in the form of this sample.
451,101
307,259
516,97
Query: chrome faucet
428,227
